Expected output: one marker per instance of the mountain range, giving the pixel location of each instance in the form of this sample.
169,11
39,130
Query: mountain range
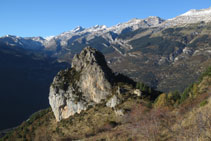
167,55
157,51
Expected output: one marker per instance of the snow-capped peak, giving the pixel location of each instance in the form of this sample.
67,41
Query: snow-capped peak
99,27
96,26
201,12
49,38
78,29
10,36
135,21
192,16
104,26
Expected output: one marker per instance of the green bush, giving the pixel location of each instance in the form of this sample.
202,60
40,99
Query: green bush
185,94
203,103
147,92
143,87
206,73
176,96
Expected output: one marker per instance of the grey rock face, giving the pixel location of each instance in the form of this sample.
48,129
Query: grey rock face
112,102
88,82
95,75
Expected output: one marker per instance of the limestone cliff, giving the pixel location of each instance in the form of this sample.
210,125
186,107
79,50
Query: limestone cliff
88,82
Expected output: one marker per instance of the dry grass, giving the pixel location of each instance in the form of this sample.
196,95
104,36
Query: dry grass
189,121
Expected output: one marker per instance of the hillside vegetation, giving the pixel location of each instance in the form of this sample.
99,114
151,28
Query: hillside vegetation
171,116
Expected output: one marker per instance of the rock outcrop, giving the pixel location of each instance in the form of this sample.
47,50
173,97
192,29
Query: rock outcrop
88,82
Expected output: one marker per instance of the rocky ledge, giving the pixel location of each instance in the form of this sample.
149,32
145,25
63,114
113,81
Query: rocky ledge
88,82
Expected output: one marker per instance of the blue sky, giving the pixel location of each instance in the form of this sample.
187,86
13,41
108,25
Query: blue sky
51,17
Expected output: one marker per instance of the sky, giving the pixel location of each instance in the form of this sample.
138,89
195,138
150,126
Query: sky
44,18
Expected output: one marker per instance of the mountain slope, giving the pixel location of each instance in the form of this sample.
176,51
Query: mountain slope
169,117
25,78
192,16
168,56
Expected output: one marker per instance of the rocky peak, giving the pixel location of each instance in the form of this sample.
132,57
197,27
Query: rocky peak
89,58
95,75
88,82
154,21
78,29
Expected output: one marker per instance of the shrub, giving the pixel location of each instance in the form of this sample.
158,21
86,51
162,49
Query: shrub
173,98
203,103
161,101
206,73
185,94
143,87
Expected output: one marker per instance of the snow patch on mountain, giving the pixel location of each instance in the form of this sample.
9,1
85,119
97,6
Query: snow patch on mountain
49,38
135,24
34,43
192,16
78,29
201,12
107,34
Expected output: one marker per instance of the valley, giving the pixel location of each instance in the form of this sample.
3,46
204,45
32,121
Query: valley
161,58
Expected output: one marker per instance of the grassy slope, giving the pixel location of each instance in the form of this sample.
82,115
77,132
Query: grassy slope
176,118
